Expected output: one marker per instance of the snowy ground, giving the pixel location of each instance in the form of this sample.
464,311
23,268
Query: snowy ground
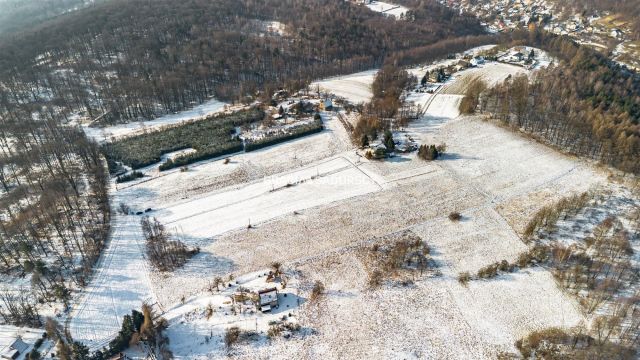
387,8
101,134
199,337
355,88
319,202
120,284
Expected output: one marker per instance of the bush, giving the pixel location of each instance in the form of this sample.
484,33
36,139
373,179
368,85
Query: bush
376,278
34,355
464,278
231,336
455,216
317,291
129,177
428,152
489,271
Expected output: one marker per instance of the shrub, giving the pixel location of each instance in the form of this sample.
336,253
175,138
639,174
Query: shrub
231,336
274,331
376,278
34,355
464,278
428,152
489,271
129,177
317,291
455,216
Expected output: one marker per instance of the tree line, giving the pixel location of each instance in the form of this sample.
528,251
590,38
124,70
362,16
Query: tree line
54,209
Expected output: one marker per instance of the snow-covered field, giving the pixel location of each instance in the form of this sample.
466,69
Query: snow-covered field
101,134
312,202
355,88
387,8
491,73
120,284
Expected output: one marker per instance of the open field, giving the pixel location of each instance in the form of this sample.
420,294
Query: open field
355,88
387,8
314,204
491,73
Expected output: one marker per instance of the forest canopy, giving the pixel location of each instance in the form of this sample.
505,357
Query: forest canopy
131,59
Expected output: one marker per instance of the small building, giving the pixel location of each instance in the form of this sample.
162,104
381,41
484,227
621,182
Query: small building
14,350
326,105
478,60
517,57
617,33
268,299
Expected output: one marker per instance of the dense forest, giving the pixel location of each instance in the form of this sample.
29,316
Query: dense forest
124,60
585,104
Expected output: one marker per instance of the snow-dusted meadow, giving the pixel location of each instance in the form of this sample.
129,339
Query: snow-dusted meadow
355,88
313,202
387,8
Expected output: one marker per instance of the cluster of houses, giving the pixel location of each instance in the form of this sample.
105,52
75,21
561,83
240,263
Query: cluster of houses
521,56
441,74
507,15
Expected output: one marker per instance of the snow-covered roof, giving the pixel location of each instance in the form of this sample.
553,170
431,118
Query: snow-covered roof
16,348
19,345
267,296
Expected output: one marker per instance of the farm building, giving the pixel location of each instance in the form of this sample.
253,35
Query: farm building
268,299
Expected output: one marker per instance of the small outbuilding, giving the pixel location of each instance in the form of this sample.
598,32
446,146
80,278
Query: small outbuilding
326,105
268,299
478,60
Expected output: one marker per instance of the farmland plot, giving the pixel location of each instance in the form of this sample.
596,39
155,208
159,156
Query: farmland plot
320,202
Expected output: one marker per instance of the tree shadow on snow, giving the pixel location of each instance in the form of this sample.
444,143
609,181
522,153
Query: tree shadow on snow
456,156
